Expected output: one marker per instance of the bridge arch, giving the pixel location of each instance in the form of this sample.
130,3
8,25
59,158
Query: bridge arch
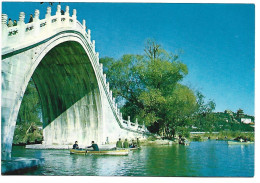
70,95
67,84
69,78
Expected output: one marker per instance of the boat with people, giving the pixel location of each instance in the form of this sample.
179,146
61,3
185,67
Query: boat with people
116,152
239,142
184,141
134,148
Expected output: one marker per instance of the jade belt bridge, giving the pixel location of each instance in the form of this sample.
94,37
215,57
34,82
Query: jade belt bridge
58,55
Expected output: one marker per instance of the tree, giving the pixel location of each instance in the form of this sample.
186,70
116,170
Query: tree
26,130
30,109
148,87
204,118
123,76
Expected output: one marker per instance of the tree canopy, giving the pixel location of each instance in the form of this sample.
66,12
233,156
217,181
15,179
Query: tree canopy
148,87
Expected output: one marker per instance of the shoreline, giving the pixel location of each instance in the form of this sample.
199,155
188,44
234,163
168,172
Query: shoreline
108,146
194,136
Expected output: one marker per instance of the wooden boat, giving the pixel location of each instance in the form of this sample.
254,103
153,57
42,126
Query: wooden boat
116,152
239,143
186,143
134,148
78,151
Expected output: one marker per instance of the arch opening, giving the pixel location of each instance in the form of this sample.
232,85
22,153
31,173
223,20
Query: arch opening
69,95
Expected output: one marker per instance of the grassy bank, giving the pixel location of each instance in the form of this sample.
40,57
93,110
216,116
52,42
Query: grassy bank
223,135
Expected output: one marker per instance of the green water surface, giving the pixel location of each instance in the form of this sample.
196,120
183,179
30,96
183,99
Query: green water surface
210,158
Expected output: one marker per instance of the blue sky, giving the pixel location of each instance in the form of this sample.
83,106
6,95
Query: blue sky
217,40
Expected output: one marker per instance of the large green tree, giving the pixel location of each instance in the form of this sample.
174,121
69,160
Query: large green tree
148,88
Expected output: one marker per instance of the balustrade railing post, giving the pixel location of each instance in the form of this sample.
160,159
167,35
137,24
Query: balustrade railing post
136,123
21,26
114,102
143,126
93,44
107,86
48,18
48,13
121,115
74,17
101,67
4,28
58,15
36,16
111,94
97,54
84,25
89,35
104,77
36,22
128,122
67,15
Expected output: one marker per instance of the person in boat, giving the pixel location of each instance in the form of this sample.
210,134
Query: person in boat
138,142
185,141
241,139
95,146
126,144
119,143
180,139
132,145
76,146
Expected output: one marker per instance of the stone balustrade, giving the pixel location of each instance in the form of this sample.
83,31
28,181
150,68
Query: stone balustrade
26,34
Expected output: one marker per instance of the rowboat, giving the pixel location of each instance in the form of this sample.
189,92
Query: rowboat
134,148
239,143
186,143
116,152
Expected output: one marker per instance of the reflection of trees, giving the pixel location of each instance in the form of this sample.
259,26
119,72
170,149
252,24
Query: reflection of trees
167,161
82,165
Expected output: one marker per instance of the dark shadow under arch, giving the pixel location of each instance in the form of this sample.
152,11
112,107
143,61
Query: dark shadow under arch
63,77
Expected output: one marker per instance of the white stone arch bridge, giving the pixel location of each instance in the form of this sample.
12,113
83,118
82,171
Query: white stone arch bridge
58,54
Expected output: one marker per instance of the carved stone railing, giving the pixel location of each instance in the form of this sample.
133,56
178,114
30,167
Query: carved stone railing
24,35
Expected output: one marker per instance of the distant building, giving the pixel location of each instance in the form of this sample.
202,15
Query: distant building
229,112
246,120
240,113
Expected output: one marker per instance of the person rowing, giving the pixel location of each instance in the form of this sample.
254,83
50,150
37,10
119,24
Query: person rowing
75,146
119,143
133,144
125,144
94,146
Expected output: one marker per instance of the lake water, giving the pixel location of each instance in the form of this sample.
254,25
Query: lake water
210,158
